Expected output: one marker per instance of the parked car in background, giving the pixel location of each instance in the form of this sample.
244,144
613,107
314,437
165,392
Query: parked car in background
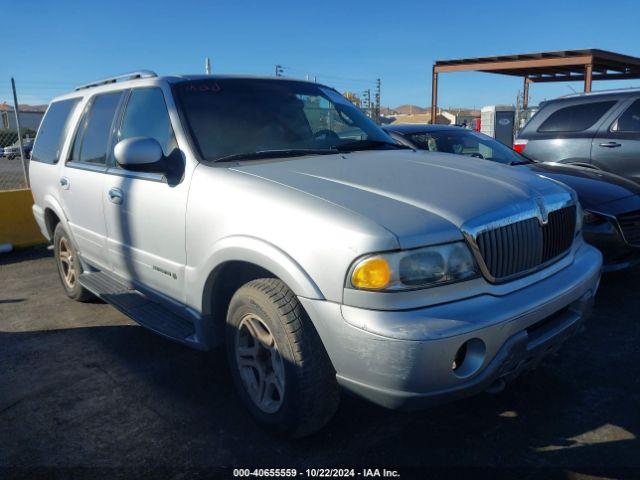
598,130
13,151
611,203
271,215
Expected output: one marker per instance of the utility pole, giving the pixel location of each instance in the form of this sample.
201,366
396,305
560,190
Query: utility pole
279,70
366,101
15,109
207,66
377,102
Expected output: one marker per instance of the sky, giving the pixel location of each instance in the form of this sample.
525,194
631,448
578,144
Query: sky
55,45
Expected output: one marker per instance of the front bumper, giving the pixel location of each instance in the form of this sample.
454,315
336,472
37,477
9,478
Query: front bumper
404,359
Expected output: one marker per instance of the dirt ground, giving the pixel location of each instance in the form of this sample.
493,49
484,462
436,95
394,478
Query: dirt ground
82,386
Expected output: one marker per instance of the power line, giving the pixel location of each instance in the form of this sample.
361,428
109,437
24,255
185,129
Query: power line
333,77
46,82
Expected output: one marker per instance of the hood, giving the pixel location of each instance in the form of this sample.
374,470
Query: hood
595,188
422,198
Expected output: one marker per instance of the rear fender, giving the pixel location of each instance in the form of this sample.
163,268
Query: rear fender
49,202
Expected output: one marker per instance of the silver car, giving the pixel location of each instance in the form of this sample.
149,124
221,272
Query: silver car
274,217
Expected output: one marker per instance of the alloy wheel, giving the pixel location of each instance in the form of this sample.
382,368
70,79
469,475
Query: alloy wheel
260,364
66,263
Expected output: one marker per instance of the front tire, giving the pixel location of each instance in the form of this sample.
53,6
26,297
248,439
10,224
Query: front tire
278,363
69,266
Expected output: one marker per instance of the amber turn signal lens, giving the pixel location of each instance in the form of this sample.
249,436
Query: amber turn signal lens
373,274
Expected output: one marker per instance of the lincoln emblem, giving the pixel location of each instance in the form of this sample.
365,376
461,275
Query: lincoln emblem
544,214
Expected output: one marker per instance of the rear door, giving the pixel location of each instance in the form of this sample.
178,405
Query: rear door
616,147
562,131
82,177
47,151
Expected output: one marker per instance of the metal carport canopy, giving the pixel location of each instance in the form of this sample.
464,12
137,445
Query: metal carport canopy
560,66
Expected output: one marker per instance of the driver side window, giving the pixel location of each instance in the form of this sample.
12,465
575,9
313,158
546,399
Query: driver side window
146,115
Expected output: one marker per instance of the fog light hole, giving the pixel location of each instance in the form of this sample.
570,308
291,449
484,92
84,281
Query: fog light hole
468,358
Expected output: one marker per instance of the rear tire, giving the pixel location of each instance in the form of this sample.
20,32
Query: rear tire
278,363
69,266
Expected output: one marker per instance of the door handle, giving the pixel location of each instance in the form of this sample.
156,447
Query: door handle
115,196
610,144
64,183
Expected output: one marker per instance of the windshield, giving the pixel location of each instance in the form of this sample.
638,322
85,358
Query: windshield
466,142
233,118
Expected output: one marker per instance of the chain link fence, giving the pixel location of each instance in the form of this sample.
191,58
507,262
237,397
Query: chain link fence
12,174
18,126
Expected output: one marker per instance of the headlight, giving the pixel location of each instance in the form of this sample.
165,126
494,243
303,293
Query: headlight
413,269
591,218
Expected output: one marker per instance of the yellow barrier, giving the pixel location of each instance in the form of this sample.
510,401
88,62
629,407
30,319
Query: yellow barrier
17,225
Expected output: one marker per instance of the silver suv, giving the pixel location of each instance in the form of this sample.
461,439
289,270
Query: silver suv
272,216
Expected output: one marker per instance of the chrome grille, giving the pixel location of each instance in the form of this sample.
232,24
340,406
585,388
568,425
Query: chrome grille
525,245
630,226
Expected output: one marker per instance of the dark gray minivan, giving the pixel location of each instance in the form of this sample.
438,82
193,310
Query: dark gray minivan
599,130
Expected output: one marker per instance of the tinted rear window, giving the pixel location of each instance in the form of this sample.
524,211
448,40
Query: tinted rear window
53,131
576,118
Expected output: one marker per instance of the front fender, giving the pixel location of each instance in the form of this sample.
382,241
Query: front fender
253,250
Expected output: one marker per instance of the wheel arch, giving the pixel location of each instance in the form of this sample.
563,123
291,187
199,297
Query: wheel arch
235,261
54,214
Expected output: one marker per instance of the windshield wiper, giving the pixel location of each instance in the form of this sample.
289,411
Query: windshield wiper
525,160
276,153
521,162
368,145
295,152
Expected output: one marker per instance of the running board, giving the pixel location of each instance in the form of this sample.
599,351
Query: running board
139,308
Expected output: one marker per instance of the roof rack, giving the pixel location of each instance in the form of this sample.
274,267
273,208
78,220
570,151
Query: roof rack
119,78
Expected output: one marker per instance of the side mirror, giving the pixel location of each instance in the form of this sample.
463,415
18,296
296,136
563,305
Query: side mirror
139,153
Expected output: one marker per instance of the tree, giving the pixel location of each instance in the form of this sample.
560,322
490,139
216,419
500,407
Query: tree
353,98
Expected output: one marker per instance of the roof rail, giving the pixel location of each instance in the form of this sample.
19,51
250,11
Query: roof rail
119,78
603,92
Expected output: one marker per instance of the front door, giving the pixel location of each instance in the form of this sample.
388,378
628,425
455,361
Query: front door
616,147
145,210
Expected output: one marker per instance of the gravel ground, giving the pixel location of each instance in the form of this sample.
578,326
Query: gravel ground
83,387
